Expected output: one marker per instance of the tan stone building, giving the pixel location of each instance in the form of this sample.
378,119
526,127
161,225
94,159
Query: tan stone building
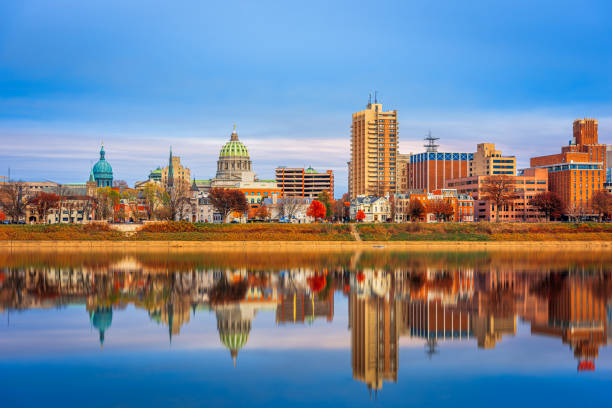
374,140
401,179
488,162
175,172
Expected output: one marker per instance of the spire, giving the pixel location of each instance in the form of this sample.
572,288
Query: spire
102,152
234,354
234,137
170,169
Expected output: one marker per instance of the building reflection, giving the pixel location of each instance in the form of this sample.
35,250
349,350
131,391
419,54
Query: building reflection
429,303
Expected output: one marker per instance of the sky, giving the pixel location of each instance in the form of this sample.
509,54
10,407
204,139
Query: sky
142,76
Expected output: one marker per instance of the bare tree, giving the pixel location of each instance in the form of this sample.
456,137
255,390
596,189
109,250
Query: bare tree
179,200
499,191
12,199
289,207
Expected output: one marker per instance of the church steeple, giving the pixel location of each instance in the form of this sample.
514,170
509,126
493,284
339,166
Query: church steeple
170,170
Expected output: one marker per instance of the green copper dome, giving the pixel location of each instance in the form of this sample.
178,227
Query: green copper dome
102,171
234,148
234,341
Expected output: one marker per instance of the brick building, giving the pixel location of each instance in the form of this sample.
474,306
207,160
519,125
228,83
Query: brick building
527,184
429,170
579,170
463,205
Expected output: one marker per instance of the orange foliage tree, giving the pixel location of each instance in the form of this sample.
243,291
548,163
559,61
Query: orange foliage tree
360,216
262,213
443,210
316,210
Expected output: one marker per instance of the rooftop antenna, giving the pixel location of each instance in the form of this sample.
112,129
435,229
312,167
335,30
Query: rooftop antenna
375,97
431,146
369,99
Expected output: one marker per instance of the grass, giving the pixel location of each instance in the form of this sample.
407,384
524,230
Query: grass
486,232
184,231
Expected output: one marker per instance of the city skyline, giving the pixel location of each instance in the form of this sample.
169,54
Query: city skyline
290,79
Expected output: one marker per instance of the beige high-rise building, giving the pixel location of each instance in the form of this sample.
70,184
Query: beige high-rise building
488,162
374,140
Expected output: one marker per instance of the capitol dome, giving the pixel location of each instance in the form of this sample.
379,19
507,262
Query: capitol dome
234,148
102,171
234,164
234,326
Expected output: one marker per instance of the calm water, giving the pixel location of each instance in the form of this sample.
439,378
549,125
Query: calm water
297,329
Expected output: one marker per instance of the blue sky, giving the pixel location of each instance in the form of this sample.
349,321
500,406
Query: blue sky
143,75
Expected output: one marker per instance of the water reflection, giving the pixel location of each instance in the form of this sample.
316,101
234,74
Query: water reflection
433,298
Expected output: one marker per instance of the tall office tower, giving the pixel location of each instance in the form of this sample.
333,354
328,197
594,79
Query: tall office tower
430,170
374,135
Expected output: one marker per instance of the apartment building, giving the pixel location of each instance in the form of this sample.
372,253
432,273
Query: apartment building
374,141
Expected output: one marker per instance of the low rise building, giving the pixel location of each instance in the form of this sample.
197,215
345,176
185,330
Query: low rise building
463,205
376,209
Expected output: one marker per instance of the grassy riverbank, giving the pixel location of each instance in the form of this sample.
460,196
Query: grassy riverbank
485,231
182,231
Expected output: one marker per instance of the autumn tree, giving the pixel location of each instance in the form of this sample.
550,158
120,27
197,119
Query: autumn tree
498,190
360,216
415,210
153,196
548,203
601,204
316,210
262,213
132,200
12,200
226,200
42,203
107,200
442,209
341,207
327,201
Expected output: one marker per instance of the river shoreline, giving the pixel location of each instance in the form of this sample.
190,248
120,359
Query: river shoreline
307,245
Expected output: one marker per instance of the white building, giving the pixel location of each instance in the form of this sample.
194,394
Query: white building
376,209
